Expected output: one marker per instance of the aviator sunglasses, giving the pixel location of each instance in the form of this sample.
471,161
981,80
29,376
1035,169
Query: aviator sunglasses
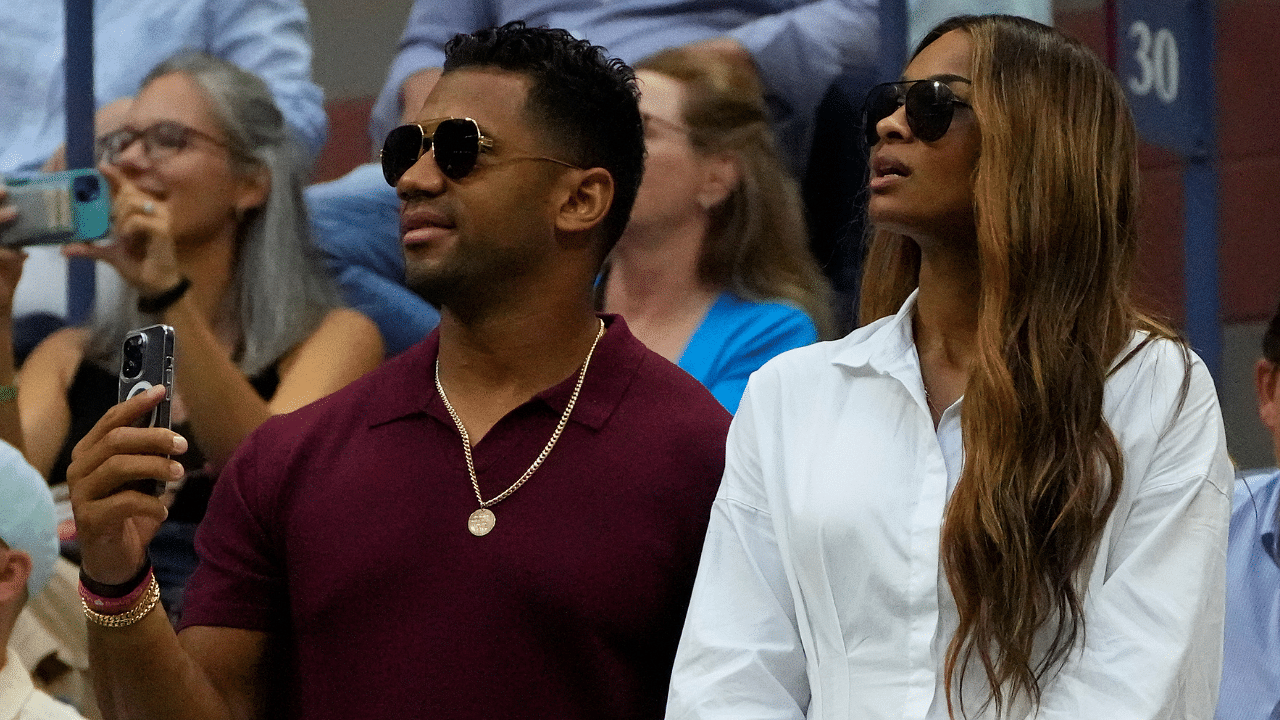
930,107
456,144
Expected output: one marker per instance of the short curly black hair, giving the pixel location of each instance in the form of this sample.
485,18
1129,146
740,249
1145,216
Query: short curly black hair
585,101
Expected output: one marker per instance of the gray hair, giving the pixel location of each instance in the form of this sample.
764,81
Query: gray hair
279,285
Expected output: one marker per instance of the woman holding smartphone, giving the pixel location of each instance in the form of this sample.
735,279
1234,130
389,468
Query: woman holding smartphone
210,237
1007,494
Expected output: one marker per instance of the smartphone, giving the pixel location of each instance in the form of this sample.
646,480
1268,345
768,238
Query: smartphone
62,207
146,360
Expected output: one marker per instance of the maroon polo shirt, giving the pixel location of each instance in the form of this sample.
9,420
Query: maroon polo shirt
341,529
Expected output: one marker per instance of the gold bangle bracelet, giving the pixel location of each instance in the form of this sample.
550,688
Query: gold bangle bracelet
133,615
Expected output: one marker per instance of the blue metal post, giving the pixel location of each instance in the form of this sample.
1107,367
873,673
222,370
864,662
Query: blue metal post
1204,314
79,110
1167,69
1200,190
893,38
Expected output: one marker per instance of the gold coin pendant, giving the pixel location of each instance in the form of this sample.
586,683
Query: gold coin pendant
481,522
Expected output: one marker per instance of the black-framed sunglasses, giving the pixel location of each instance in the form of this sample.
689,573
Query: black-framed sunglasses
456,144
930,107
160,141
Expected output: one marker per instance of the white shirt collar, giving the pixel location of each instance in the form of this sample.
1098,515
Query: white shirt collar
885,345
15,686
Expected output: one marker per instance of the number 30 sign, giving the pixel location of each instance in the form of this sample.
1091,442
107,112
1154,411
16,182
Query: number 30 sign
1165,53
1156,55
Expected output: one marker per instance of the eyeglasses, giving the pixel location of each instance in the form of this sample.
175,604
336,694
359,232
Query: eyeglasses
456,144
160,141
652,121
930,107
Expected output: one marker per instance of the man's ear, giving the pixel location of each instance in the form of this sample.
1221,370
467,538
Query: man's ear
587,202
1266,376
723,174
15,569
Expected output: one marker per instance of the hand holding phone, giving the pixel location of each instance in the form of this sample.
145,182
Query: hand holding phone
11,261
62,207
142,248
8,213
146,360
113,528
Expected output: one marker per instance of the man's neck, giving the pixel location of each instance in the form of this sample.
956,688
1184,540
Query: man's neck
491,364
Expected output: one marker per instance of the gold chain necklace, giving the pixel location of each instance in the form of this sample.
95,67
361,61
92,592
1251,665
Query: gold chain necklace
482,521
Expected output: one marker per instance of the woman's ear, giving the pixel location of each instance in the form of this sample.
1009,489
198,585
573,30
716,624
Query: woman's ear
254,189
722,176
587,200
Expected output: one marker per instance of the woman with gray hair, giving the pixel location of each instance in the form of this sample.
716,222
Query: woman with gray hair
210,237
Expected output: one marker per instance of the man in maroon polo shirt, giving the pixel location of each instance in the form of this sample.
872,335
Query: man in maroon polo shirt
503,521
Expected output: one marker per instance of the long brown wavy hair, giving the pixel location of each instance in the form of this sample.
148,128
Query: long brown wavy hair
758,243
1055,193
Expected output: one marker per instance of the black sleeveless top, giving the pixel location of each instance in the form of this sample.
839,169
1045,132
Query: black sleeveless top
95,390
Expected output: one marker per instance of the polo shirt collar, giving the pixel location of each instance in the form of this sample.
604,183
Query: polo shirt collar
410,389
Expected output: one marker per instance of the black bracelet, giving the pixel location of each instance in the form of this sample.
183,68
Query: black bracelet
115,591
159,303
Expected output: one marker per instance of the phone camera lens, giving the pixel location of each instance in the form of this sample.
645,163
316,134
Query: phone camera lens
86,188
132,364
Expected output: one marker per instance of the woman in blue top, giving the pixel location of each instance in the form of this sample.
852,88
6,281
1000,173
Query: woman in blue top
714,271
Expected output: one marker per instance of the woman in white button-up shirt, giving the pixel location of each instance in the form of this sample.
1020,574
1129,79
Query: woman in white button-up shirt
1006,495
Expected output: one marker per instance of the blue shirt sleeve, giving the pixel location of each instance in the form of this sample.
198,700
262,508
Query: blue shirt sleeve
801,50
736,338
356,223
272,39
1250,687
432,23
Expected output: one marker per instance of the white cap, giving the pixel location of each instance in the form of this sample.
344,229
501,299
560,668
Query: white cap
26,516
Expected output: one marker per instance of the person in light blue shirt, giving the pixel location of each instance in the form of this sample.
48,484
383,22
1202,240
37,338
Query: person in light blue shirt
270,38
798,46
1251,664
1251,661
357,230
